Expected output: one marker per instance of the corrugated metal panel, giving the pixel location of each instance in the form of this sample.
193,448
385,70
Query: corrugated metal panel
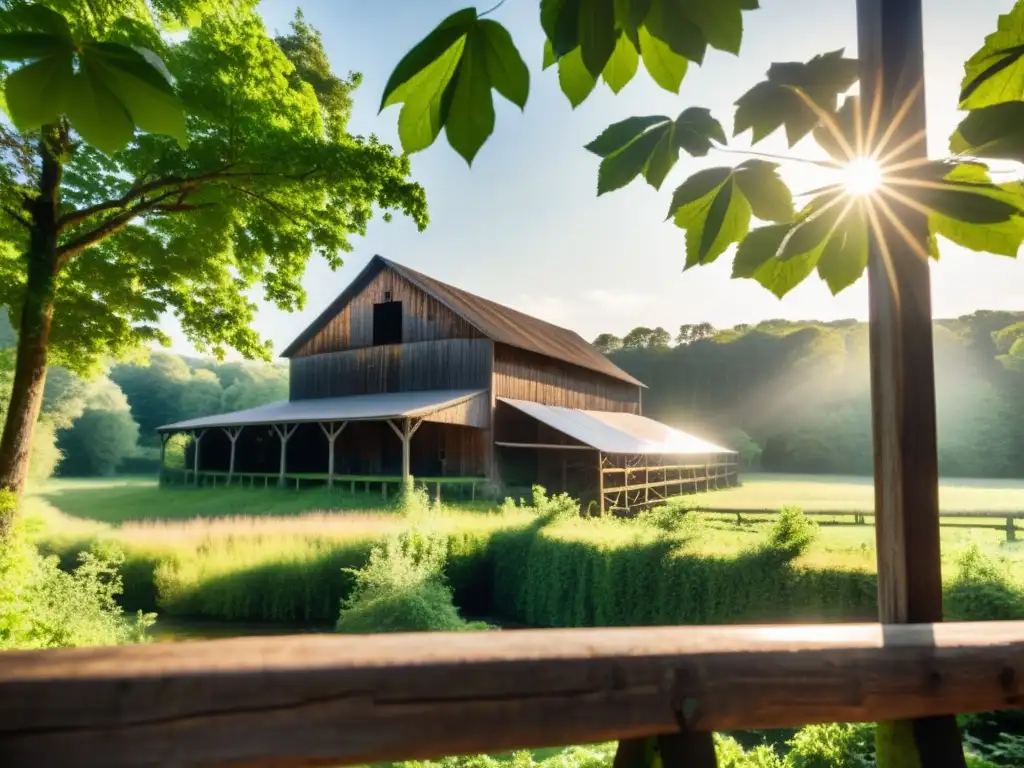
498,322
390,405
616,432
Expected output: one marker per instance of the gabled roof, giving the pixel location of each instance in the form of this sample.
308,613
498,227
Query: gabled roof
499,323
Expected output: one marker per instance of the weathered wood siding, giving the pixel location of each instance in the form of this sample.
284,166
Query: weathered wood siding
474,412
447,364
424,318
526,376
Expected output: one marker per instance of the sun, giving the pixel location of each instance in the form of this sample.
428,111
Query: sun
862,176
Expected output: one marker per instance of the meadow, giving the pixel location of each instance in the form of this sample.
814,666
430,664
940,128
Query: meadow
257,555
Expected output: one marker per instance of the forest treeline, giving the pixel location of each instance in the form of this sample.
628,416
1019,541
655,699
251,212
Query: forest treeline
107,425
790,396
795,396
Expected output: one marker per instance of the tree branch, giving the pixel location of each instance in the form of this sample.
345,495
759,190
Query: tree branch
18,217
137,190
272,204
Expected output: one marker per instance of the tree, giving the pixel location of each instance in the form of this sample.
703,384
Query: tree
106,228
887,211
646,338
607,342
102,437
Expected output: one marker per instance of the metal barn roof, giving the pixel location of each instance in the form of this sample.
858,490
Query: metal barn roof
497,322
616,432
389,405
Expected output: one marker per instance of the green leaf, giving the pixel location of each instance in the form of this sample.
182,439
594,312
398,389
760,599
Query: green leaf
665,67
576,82
769,197
39,18
662,158
995,73
618,135
95,111
714,215
782,99
18,46
695,129
845,122
597,34
506,69
143,91
781,276
426,106
560,20
697,186
425,53
992,132
549,55
720,21
669,22
620,168
470,118
37,93
622,65
845,256
757,248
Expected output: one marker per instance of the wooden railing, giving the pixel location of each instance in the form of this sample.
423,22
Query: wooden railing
861,517
331,700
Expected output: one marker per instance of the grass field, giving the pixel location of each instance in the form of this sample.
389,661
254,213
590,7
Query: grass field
831,492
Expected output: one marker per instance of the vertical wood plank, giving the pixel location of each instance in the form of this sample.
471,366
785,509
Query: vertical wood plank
890,44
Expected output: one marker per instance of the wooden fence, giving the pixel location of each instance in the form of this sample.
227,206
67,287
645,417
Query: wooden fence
860,517
332,700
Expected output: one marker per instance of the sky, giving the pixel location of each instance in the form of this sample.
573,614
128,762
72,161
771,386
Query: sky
524,225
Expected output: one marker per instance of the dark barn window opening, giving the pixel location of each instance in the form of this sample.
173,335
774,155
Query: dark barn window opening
387,323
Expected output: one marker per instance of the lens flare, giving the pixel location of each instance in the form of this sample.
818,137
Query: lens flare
862,176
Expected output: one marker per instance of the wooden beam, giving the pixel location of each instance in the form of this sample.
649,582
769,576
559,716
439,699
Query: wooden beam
360,700
197,436
161,476
891,53
600,480
552,446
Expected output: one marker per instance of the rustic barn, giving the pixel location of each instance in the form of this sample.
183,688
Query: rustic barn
404,376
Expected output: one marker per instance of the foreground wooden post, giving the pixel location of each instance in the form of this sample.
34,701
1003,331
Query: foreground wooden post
890,46
284,432
232,433
331,432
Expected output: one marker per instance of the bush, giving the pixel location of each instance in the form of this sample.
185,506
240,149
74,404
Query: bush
834,745
792,532
983,589
42,606
402,589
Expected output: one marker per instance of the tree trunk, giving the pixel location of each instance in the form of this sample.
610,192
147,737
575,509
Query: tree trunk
34,331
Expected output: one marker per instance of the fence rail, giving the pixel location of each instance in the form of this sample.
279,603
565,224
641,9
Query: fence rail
860,517
357,700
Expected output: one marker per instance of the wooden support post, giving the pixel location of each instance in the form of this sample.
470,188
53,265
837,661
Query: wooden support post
232,433
284,432
1011,530
331,432
162,476
405,434
197,437
891,55
600,480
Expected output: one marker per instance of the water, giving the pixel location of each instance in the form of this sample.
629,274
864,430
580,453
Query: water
172,630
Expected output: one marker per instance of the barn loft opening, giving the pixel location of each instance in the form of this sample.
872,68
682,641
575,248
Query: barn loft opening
387,323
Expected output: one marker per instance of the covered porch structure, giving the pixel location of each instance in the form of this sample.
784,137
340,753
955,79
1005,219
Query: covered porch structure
613,462
437,435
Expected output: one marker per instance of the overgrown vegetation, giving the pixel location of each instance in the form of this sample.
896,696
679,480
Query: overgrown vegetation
42,606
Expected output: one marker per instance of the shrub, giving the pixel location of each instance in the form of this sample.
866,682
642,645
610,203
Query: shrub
835,745
402,589
42,606
983,589
792,532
